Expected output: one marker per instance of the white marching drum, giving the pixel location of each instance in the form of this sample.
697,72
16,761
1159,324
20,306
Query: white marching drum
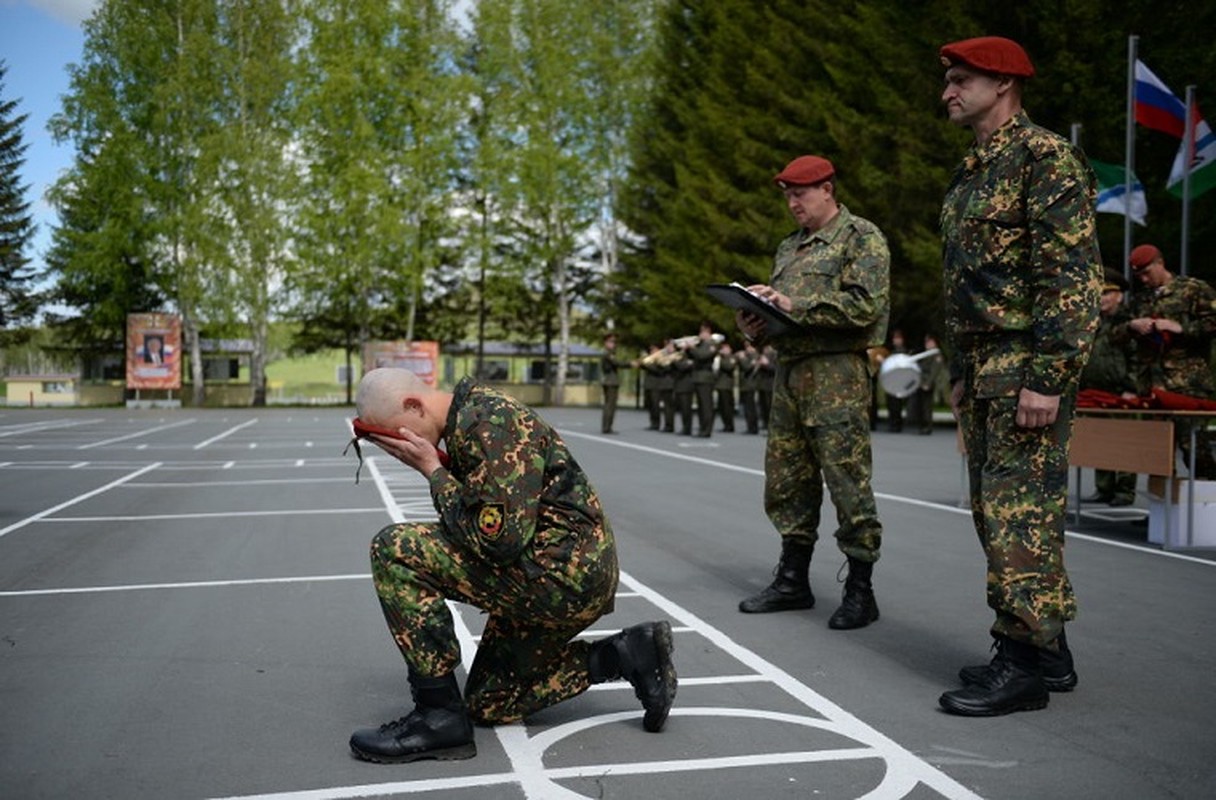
899,374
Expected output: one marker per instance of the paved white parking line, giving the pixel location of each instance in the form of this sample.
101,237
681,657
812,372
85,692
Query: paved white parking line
228,432
137,434
37,517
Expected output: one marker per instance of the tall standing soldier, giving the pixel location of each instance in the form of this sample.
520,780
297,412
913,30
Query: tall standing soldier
1022,276
652,377
610,382
521,535
832,276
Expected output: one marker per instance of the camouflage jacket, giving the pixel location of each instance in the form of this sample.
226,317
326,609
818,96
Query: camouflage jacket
1022,274
513,493
1177,362
1110,362
838,279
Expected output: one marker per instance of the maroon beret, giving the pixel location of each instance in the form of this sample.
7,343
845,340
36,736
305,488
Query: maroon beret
805,171
1143,255
994,54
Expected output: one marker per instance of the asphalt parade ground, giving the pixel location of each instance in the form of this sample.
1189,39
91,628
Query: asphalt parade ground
186,611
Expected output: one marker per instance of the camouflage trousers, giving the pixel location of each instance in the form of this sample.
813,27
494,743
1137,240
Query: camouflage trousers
1019,489
527,659
801,458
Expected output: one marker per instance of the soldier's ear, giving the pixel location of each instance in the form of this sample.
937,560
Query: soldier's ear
412,403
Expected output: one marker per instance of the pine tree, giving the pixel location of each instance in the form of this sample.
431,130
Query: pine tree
18,302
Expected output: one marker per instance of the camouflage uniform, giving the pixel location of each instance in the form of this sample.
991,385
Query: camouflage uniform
1022,282
1109,369
521,535
1177,362
1180,362
839,282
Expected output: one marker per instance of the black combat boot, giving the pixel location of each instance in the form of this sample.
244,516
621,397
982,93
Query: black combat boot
1058,672
438,727
1015,684
857,608
792,587
642,656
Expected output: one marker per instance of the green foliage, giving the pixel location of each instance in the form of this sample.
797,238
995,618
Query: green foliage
18,302
744,87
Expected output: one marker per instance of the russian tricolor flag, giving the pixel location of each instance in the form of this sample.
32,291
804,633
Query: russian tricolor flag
1156,105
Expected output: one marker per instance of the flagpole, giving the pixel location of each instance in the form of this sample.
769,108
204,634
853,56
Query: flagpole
1188,150
1129,152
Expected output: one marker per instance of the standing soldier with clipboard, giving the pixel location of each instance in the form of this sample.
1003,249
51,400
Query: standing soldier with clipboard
832,279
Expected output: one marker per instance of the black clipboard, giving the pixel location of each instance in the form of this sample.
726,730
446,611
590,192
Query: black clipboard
736,295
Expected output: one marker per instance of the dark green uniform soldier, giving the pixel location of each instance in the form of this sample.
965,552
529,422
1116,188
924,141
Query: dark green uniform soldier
703,353
610,382
749,385
832,276
1109,369
725,367
521,535
1021,276
1173,324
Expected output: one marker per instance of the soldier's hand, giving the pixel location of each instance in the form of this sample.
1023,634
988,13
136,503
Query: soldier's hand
411,450
1037,410
956,398
751,325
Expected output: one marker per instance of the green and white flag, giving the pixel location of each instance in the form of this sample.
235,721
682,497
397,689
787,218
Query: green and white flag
1112,194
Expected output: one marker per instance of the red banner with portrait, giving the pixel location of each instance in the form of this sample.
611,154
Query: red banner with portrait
154,351
421,358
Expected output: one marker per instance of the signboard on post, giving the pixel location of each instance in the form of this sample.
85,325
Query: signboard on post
421,358
154,351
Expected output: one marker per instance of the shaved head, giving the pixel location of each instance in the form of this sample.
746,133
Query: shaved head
381,391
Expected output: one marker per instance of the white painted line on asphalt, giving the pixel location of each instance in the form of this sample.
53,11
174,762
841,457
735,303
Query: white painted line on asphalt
214,514
137,434
228,465
1146,549
44,425
79,465
142,587
226,433
78,498
263,482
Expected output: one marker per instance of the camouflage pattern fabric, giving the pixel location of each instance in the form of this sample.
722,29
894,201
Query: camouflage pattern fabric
1110,363
1022,279
1177,362
838,280
522,536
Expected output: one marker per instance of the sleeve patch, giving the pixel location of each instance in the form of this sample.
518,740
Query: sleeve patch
490,519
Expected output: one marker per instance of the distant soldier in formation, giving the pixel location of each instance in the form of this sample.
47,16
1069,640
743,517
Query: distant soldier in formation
933,384
725,367
683,386
749,384
703,353
522,536
610,382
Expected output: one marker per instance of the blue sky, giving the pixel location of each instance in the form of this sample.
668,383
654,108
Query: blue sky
38,39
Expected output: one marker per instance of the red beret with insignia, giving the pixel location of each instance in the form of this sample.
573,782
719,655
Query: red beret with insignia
1143,255
805,171
994,54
